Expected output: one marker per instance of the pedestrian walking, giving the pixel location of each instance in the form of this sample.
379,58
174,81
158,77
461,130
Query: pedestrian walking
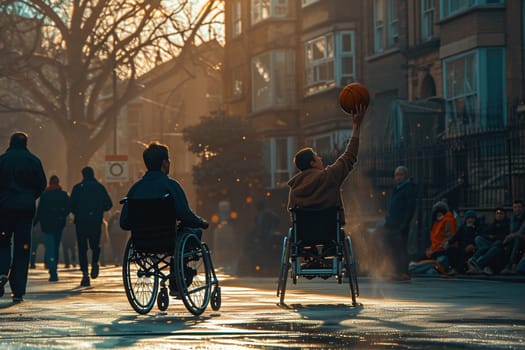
22,181
69,243
89,200
51,214
37,240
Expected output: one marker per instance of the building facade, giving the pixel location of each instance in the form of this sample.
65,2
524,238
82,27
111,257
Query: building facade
441,73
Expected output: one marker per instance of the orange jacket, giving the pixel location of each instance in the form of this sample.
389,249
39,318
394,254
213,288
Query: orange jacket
441,231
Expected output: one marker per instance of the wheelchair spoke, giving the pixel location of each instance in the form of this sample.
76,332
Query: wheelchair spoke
141,279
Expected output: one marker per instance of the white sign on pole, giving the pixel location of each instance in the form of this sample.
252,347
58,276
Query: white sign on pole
116,168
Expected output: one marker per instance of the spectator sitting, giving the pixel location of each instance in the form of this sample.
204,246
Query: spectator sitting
443,229
515,241
489,245
461,246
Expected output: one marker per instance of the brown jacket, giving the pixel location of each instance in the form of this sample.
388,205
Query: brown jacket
322,188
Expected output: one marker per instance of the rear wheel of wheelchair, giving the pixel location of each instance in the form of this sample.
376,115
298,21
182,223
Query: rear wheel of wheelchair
163,299
193,269
140,277
285,266
351,270
216,299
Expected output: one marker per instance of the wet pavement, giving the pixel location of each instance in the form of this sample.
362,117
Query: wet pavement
426,313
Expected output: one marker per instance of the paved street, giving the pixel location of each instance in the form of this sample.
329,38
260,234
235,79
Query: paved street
427,313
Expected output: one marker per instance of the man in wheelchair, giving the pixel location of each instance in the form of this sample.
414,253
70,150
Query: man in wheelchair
317,186
316,244
157,184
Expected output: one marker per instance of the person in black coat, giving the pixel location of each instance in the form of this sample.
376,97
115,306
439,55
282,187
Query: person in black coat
462,246
489,245
51,214
401,209
156,184
22,180
89,200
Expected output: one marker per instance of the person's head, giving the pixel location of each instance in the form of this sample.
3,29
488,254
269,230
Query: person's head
156,157
18,140
53,180
439,209
88,173
499,214
517,207
470,217
401,173
306,158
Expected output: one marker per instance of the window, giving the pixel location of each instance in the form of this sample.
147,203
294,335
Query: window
273,79
280,153
330,145
475,90
308,2
451,7
237,85
386,24
329,61
428,9
236,18
263,9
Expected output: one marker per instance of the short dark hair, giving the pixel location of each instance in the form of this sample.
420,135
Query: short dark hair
518,201
154,154
88,172
18,139
53,180
303,158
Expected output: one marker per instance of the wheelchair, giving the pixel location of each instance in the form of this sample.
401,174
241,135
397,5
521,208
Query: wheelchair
316,246
156,253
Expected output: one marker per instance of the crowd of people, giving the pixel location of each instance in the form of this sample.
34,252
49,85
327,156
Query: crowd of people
85,214
468,245
58,220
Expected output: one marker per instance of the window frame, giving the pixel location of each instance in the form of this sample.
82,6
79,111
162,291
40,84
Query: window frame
481,107
333,59
279,176
236,22
305,3
448,10
428,15
276,9
280,81
386,30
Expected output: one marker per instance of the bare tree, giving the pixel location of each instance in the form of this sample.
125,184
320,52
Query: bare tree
69,54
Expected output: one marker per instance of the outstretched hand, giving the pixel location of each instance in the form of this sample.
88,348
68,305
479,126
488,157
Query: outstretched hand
358,114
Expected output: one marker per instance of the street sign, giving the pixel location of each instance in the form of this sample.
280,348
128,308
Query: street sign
116,168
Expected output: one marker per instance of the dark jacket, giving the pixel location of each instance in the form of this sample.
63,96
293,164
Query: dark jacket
52,210
89,200
155,184
402,206
322,188
497,231
464,236
22,180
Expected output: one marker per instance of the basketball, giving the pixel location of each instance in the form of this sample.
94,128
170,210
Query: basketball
353,95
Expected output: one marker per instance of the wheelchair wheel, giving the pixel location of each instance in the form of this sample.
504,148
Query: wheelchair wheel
285,266
193,271
351,270
216,299
141,282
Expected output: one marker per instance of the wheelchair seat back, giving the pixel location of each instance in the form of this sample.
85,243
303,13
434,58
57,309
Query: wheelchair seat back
313,226
153,224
